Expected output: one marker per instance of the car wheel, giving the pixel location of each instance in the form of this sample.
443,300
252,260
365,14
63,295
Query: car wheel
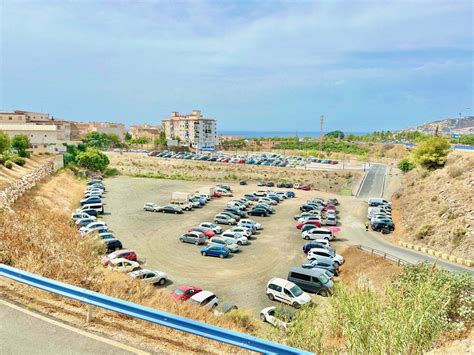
296,305
239,243
175,212
181,239
196,243
230,223
163,211
203,253
337,263
161,282
221,256
306,237
270,296
262,317
324,293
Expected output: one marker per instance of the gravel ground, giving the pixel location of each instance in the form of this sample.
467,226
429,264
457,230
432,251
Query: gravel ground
242,277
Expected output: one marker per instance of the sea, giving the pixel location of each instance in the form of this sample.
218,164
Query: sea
263,134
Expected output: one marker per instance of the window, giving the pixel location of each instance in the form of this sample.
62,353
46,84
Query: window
274,287
288,293
301,276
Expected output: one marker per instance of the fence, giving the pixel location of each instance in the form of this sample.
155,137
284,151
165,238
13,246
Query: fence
384,255
146,313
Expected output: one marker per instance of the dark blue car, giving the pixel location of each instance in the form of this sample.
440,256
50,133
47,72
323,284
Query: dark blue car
290,194
215,250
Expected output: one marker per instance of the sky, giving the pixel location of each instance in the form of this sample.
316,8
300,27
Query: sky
252,65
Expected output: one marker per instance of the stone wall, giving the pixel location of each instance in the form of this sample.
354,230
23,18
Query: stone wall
13,191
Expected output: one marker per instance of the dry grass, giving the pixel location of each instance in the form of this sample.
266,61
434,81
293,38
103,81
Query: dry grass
7,176
436,209
39,238
364,269
139,165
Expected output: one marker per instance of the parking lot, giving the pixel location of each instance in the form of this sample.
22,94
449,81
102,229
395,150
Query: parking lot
242,277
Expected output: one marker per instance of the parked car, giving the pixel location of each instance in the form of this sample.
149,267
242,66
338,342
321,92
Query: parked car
238,237
318,244
123,265
95,225
246,232
290,194
338,259
287,292
215,250
217,229
243,182
236,211
90,200
76,216
323,264
183,293
151,207
279,317
209,233
205,299
231,215
381,224
225,308
231,244
170,209
259,211
305,187
311,280
128,254
149,276
317,233
224,219
312,222
249,222
330,221
193,237
84,222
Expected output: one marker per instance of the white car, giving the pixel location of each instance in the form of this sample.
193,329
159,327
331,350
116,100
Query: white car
152,207
323,241
260,193
278,317
339,259
149,276
206,299
81,215
267,201
96,225
215,228
94,191
228,242
304,219
247,232
224,192
317,233
245,221
123,265
287,292
237,237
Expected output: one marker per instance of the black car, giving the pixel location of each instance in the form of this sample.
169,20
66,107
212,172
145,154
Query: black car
288,185
259,211
280,184
243,182
308,207
236,211
264,207
91,212
274,198
314,244
112,245
269,184
170,209
380,225
90,200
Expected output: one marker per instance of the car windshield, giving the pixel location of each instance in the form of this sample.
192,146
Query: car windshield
179,292
296,291
323,278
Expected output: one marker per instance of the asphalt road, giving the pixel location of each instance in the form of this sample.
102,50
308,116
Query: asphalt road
373,182
26,332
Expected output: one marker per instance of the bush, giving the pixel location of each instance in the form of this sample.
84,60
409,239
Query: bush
19,161
432,153
8,164
405,165
24,153
424,231
4,142
93,160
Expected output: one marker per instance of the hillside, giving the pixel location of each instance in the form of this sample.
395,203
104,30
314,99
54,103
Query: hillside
447,126
9,175
436,209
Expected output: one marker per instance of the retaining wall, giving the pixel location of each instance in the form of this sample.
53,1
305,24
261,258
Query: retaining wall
17,188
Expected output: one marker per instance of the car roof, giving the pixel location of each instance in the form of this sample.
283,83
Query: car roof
311,272
281,282
201,296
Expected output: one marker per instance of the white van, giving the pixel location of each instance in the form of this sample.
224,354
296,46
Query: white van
287,292
99,207
318,233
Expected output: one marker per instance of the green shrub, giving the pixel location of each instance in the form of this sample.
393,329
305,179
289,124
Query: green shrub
432,153
405,165
8,164
19,161
424,231
23,153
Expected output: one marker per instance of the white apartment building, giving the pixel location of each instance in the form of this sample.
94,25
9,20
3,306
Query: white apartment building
194,130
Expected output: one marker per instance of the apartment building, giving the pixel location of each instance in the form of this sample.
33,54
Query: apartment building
80,129
145,130
194,130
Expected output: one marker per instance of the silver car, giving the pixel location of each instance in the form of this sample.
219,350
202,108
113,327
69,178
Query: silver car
193,237
232,245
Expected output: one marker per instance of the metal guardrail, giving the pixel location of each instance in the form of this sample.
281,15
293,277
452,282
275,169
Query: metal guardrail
148,314
384,255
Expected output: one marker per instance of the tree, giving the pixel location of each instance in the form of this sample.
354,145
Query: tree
93,160
101,140
335,134
405,165
162,139
127,136
20,142
432,153
4,142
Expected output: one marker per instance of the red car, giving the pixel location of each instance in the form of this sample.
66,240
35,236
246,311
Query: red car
208,232
305,188
334,162
329,208
183,293
309,221
216,194
128,254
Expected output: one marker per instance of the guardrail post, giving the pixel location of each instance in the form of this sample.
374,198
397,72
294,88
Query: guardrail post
89,314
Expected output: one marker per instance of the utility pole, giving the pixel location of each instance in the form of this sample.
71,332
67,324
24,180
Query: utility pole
321,134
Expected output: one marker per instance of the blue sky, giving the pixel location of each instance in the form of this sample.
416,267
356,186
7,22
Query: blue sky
252,65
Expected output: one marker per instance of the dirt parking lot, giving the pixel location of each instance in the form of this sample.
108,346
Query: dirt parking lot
242,277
